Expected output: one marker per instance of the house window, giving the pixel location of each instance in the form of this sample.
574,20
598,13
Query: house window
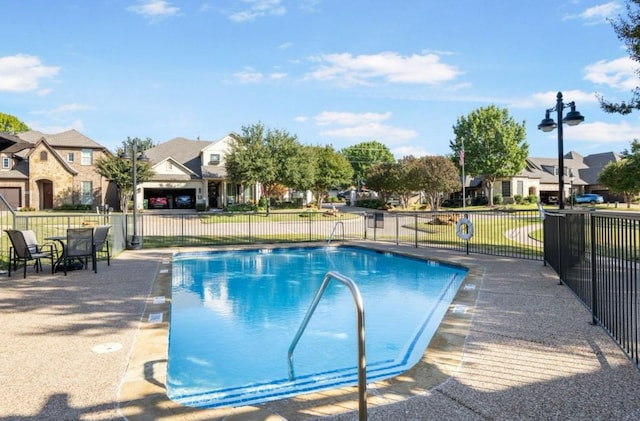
169,166
5,162
86,157
506,189
70,157
520,187
44,156
86,192
214,159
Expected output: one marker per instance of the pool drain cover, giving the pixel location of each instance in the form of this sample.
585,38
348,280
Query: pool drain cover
106,348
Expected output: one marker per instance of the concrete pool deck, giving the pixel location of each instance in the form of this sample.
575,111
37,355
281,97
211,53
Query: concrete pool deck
514,345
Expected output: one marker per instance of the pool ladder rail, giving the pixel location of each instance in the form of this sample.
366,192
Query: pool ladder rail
359,307
333,231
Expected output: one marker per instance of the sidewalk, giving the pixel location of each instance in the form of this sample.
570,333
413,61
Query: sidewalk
516,345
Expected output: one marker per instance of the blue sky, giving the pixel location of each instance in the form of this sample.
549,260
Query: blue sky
329,71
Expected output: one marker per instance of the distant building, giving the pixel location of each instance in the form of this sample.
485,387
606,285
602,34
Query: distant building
187,171
540,178
43,171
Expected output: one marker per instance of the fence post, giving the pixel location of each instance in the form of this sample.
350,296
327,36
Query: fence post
594,289
415,217
182,239
397,230
466,215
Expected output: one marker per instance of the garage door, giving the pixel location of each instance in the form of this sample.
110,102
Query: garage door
11,195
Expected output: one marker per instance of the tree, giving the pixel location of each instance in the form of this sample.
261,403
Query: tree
408,175
142,144
364,155
494,145
628,31
622,177
269,157
330,169
11,124
120,172
384,178
437,175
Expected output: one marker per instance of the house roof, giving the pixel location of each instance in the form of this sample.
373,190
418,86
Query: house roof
214,171
70,138
11,144
182,150
20,171
55,154
585,170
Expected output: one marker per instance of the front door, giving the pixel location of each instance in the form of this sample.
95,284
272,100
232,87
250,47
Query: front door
214,187
46,201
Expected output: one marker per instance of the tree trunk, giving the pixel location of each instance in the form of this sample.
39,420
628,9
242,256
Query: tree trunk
125,197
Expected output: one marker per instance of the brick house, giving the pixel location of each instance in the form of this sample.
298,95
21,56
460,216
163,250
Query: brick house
43,171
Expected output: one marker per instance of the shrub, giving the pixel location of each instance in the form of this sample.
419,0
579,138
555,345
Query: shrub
262,203
74,207
519,199
370,203
480,201
241,207
497,199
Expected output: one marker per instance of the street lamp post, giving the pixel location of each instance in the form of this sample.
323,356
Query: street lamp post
134,158
573,118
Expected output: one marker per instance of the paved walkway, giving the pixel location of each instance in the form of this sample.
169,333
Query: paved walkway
515,345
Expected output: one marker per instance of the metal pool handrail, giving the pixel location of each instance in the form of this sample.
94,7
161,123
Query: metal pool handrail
333,230
362,365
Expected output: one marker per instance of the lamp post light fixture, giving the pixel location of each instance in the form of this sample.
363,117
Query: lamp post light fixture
573,118
134,158
571,178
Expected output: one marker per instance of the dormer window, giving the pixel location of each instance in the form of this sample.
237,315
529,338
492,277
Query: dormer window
6,163
214,159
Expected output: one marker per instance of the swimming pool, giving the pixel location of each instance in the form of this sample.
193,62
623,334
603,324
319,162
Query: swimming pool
235,313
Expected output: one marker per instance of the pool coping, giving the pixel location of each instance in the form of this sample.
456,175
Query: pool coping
142,392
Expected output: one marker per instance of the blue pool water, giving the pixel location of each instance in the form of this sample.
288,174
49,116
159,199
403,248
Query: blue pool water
234,315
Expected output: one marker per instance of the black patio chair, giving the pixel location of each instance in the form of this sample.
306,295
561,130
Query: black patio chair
79,246
23,251
101,241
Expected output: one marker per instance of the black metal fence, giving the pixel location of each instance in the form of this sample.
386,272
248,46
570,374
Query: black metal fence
503,233
513,233
597,255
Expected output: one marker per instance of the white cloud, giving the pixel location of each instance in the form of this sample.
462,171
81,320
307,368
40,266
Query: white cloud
57,128
62,109
414,150
258,9
362,126
381,132
22,73
619,73
155,9
391,67
349,119
548,99
603,132
597,14
248,76
277,75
